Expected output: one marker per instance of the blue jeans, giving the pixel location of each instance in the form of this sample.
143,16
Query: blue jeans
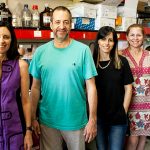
110,137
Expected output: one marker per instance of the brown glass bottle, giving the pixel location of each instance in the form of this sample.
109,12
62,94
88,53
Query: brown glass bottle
5,14
45,17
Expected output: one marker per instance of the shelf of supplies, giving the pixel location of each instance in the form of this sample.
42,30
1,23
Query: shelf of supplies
33,34
30,34
45,35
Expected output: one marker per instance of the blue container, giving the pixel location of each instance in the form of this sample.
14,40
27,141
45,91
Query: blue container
84,23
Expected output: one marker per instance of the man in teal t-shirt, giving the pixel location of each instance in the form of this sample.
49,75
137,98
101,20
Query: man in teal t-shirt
62,69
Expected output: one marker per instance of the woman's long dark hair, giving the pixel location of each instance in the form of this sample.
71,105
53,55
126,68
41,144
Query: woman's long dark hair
12,53
102,33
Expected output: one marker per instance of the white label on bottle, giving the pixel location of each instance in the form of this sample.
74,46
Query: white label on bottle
14,20
36,17
37,34
4,13
46,19
14,16
27,18
14,24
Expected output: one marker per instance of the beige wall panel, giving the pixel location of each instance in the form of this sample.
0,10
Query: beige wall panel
3,1
52,3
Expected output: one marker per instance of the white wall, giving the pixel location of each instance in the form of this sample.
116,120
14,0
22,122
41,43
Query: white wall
12,4
52,3
1,1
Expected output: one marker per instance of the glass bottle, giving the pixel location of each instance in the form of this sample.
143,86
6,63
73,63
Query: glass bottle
26,16
45,17
35,16
3,12
16,19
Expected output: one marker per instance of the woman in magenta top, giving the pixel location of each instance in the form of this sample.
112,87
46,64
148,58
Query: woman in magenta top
139,110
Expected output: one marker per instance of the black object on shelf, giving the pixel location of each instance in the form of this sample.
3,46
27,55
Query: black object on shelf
143,15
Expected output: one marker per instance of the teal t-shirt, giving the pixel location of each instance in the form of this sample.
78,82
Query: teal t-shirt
63,72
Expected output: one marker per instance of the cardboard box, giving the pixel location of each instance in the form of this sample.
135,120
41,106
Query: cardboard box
141,6
108,8
129,9
84,23
100,22
126,22
83,10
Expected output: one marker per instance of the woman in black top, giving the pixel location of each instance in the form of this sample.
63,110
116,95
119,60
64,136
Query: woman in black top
114,87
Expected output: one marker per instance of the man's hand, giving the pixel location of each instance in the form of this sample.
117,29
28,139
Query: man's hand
90,130
36,128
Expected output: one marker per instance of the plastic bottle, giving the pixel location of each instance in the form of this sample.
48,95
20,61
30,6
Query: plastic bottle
26,16
45,17
35,16
17,16
14,20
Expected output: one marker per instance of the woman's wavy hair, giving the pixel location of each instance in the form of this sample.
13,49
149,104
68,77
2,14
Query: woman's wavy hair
12,52
102,33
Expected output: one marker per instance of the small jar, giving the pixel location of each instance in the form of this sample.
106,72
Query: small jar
21,50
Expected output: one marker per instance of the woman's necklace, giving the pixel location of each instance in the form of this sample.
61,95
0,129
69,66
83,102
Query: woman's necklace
104,66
